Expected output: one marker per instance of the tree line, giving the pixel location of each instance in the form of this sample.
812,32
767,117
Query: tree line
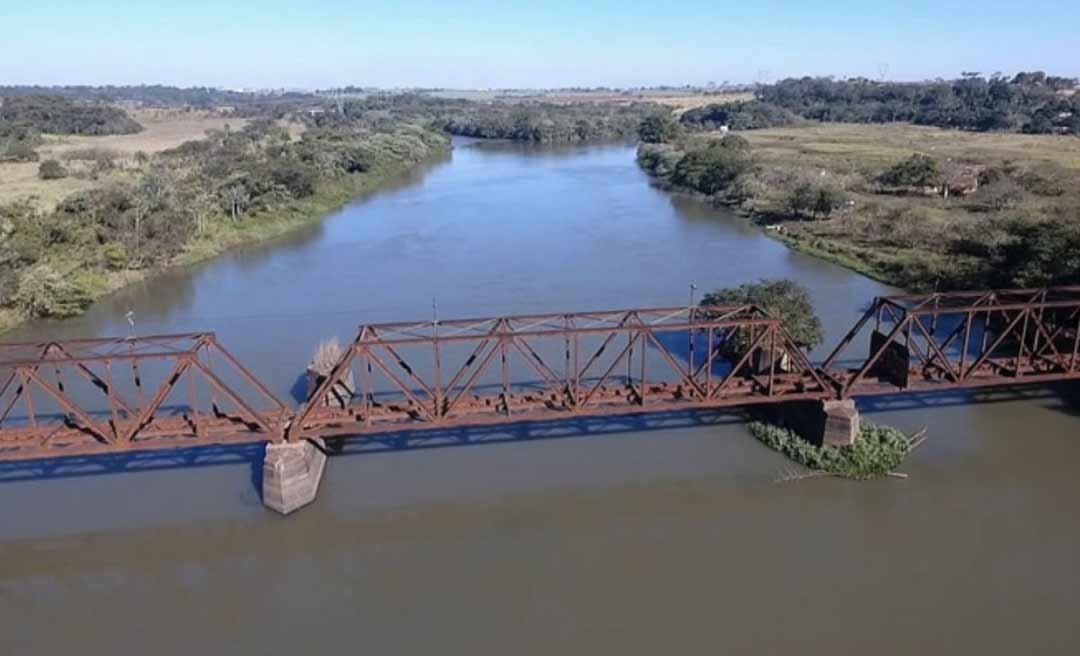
154,95
1032,102
58,115
536,122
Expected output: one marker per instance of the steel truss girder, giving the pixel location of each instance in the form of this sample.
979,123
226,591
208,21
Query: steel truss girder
567,365
963,340
103,417
583,384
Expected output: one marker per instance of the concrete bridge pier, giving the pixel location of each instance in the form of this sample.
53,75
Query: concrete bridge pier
292,472
829,423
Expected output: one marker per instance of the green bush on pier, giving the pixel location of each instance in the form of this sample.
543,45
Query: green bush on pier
878,451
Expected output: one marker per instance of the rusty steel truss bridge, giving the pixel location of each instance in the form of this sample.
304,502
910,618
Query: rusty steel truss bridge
113,395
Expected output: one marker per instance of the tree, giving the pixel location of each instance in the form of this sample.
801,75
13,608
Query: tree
1039,254
801,199
658,128
51,169
781,299
715,167
826,200
236,199
154,193
200,207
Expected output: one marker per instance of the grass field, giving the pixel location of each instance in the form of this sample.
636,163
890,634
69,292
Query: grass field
164,129
839,146
915,241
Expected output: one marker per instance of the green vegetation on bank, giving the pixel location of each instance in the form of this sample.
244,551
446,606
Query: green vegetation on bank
921,208
189,203
877,452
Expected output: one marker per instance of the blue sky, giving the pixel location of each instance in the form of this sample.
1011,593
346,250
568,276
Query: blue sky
480,43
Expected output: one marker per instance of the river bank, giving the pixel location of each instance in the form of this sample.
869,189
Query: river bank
872,198
66,275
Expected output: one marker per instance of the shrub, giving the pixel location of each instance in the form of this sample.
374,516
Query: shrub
878,450
116,255
1000,193
659,160
916,171
51,169
43,291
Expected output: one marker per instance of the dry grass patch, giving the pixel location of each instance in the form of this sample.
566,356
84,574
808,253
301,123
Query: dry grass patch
20,180
164,129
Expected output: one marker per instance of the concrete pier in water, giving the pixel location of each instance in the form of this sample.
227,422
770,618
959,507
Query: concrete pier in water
834,422
292,473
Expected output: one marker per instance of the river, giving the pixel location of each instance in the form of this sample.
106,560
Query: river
642,538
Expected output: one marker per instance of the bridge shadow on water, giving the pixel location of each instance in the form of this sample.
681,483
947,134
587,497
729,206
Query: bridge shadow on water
251,455
1065,398
1062,397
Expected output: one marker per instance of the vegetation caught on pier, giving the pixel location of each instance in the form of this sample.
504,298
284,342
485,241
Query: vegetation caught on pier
877,452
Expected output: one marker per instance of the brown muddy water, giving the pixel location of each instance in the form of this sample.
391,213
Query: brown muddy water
659,535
